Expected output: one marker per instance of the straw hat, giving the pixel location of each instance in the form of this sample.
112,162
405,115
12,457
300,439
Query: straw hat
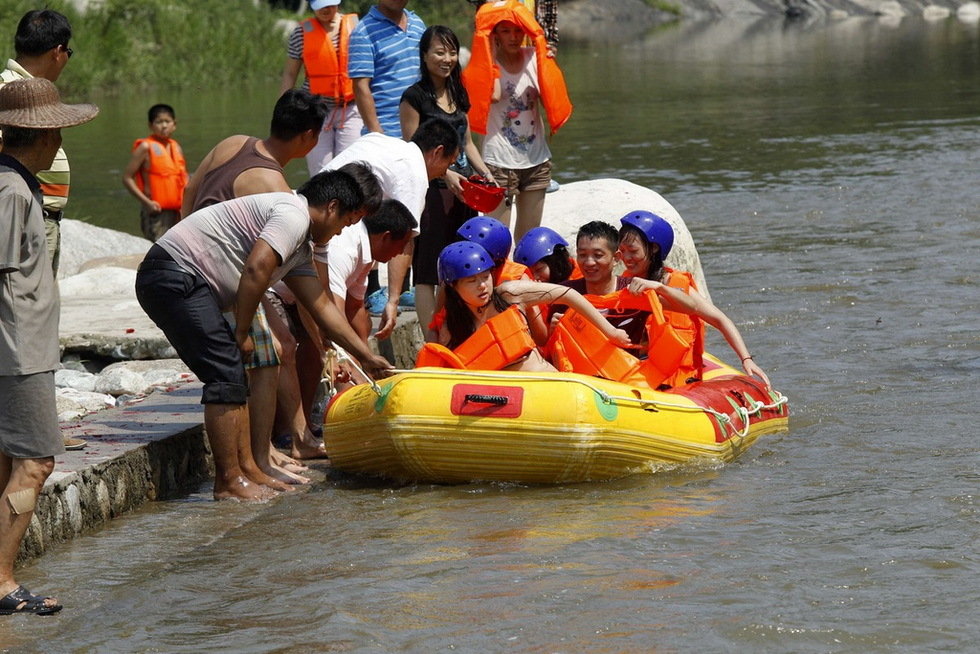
35,103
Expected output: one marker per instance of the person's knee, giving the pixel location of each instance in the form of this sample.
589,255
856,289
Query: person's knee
33,472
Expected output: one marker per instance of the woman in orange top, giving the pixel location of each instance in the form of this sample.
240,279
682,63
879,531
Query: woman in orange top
319,46
486,326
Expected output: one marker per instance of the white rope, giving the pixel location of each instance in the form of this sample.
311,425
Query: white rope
344,354
744,413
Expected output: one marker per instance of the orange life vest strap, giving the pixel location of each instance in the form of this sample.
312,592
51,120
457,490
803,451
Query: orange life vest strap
480,73
577,345
688,327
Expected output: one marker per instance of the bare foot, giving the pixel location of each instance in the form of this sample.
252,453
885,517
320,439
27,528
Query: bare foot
260,477
284,476
240,488
287,462
308,450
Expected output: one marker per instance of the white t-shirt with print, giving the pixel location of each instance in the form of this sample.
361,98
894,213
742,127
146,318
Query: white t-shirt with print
515,130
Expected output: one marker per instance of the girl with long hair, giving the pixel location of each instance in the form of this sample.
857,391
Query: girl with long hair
439,93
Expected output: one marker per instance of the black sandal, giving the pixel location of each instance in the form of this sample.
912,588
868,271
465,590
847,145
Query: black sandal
21,600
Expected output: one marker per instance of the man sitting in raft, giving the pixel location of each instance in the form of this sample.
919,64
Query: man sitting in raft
486,326
663,317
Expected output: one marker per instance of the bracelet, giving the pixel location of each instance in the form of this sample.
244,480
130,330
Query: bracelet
744,359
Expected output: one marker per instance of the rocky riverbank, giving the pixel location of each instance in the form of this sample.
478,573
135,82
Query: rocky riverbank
625,20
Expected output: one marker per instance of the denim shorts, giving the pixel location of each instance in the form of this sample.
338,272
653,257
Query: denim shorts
183,306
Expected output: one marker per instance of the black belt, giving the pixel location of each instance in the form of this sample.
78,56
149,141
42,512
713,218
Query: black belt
159,259
161,264
51,214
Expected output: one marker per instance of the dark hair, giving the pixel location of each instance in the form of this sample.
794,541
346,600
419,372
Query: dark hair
297,111
599,229
20,137
435,132
158,109
460,322
655,260
392,216
454,84
41,30
337,185
368,181
559,264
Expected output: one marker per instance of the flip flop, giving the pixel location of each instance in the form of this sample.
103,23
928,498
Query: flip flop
20,600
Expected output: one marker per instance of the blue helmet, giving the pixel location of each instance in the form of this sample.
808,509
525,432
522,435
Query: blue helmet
489,232
462,259
656,229
536,245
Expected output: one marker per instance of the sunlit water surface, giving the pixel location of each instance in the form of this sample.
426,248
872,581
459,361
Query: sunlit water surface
829,177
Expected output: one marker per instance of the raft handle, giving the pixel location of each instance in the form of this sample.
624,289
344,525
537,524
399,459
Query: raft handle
499,400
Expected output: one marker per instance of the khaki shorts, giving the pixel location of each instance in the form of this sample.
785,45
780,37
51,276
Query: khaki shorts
517,181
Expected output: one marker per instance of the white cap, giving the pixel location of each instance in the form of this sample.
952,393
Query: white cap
320,4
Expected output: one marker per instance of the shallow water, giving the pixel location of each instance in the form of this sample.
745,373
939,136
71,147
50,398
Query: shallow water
828,176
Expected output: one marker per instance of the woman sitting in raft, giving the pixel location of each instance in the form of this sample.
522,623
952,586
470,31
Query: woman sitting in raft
645,239
486,327
545,253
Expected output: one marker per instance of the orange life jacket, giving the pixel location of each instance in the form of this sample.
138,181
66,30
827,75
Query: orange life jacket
499,342
167,172
688,327
480,73
576,345
576,271
511,271
326,68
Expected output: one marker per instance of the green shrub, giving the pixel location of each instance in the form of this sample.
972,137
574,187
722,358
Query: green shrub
126,46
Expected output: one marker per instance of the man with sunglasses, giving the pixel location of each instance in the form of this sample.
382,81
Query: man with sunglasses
41,46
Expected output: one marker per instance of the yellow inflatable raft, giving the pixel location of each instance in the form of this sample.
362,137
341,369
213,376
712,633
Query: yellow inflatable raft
452,426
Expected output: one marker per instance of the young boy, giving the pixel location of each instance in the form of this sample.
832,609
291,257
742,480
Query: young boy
157,174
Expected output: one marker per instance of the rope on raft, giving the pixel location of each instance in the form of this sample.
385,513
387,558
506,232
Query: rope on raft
741,412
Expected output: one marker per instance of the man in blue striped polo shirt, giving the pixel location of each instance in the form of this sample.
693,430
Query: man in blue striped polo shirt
383,62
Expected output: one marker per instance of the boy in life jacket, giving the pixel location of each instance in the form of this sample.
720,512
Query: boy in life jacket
486,326
157,174
645,240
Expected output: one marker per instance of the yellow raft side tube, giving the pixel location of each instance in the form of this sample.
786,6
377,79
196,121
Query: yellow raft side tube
452,426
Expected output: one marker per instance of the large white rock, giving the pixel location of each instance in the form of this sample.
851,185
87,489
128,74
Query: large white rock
73,403
120,381
80,381
577,203
81,242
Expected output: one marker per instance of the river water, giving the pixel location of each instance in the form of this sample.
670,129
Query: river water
829,177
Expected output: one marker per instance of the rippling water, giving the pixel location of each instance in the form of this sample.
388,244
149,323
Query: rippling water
829,176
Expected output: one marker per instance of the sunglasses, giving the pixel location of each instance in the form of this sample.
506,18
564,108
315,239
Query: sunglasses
68,51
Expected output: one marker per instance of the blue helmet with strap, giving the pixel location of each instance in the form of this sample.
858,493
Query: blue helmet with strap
536,245
653,227
489,232
462,259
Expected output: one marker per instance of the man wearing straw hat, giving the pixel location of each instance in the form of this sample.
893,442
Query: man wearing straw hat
31,116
